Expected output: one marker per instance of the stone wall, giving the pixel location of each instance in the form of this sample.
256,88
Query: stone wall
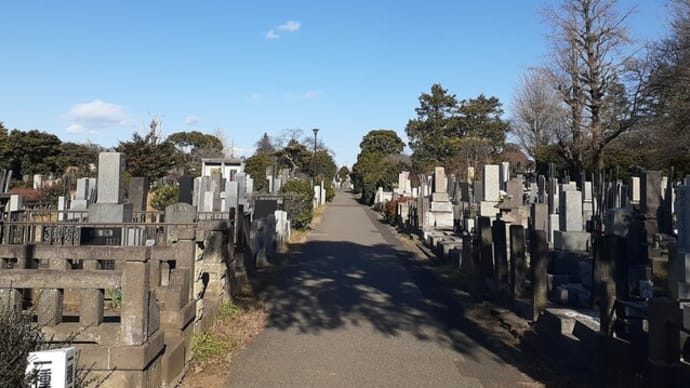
168,292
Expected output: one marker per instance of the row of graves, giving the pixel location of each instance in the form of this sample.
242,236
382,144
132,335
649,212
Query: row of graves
131,287
601,271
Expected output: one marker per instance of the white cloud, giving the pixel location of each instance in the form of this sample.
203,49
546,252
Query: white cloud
290,26
256,96
311,94
98,111
192,120
91,116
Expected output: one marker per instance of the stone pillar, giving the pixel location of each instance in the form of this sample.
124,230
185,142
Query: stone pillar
539,251
91,308
50,304
12,298
135,303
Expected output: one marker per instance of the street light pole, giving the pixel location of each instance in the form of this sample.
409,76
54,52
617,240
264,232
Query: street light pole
316,131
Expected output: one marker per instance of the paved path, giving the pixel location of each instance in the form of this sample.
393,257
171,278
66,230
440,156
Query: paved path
347,313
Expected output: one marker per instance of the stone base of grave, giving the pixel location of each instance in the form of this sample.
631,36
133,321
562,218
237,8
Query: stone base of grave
573,294
440,219
488,209
571,241
110,212
443,249
569,334
439,197
441,206
523,308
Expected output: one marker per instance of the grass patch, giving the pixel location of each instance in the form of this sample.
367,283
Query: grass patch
206,345
229,310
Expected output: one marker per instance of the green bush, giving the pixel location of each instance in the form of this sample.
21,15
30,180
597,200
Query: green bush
18,337
164,196
115,296
298,202
330,191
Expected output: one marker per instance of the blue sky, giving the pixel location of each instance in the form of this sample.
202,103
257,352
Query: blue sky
99,70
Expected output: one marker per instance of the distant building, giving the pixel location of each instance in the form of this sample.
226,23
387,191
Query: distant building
227,167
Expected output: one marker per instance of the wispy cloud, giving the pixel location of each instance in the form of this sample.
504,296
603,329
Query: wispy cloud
256,96
289,26
311,94
92,116
192,120
308,95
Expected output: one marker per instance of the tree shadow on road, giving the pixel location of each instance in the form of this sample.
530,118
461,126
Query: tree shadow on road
327,285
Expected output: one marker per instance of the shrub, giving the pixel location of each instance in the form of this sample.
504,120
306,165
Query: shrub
298,202
18,337
330,191
164,196
391,208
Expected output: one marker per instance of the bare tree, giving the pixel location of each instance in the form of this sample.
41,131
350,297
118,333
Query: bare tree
540,116
286,136
596,78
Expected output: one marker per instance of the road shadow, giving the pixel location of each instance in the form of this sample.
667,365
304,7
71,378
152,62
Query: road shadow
327,285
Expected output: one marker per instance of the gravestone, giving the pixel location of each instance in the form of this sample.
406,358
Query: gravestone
440,183
477,191
491,185
635,189
539,252
570,213
541,188
650,200
514,194
138,192
518,261
264,207
109,207
186,190
539,216
504,175
241,179
486,266
501,270
111,168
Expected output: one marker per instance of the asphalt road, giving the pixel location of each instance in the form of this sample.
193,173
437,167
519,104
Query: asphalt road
350,312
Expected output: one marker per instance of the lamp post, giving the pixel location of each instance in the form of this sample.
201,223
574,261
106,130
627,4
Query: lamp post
316,131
